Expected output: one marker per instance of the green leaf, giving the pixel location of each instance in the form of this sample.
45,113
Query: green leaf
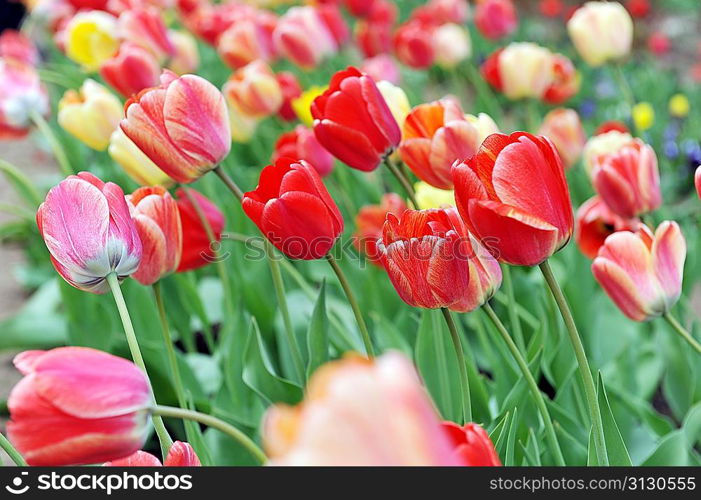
531,450
22,184
259,374
318,333
673,450
511,440
692,425
615,447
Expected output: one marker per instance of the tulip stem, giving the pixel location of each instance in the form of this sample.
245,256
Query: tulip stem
170,350
214,423
229,182
353,303
402,180
53,141
485,92
462,366
624,87
284,310
532,385
513,313
584,369
674,323
11,451
133,343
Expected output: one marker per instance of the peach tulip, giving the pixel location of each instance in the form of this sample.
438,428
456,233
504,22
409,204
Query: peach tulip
564,128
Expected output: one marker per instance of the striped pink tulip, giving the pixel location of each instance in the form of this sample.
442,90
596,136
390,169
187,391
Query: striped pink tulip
87,228
180,455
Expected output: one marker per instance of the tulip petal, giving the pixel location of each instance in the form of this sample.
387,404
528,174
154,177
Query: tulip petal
350,146
668,255
181,455
138,459
26,360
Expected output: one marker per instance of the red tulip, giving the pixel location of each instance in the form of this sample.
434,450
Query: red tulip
595,222
641,272
145,27
333,19
551,8
513,194
291,90
373,34
434,136
658,43
697,181
132,70
610,126
639,8
157,220
197,248
496,19
472,444
293,209
301,143
180,455
77,406
359,8
16,45
565,83
443,11
628,180
181,125
413,44
490,70
86,226
369,223
353,122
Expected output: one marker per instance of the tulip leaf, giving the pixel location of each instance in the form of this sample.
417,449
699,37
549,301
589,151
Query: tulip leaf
23,185
615,447
318,333
259,374
672,450
531,450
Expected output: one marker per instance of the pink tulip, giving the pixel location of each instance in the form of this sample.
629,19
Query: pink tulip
360,412
413,44
180,455
87,228
181,125
245,41
21,94
77,406
145,27
642,272
302,144
564,128
303,37
496,19
16,45
697,181
382,67
132,70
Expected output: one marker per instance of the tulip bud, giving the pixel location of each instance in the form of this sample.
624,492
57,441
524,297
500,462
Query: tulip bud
135,163
513,195
353,122
601,32
91,115
641,272
301,144
434,135
21,94
86,226
428,196
181,125
131,70
484,124
564,128
255,90
369,222
302,36
452,45
345,418
526,70
290,90
628,179
595,222
180,455
603,144
413,44
396,100
145,28
197,247
157,221
16,45
472,444
91,38
185,58
97,401
293,209
496,19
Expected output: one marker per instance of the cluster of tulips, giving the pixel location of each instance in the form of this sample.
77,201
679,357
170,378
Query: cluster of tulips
505,202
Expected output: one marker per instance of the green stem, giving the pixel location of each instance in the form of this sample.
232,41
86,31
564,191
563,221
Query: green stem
170,350
513,313
133,343
18,177
15,455
584,369
674,323
462,366
532,116
214,423
229,182
485,92
284,310
402,180
624,87
55,144
353,303
532,385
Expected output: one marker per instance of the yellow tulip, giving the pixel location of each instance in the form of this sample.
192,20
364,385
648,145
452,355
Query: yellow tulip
428,196
242,125
186,58
396,99
302,104
679,106
643,115
91,114
135,163
91,38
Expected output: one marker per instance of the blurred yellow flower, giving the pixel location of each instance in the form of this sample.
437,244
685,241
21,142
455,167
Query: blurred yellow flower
135,163
91,38
396,99
91,114
679,106
428,196
242,126
643,115
302,104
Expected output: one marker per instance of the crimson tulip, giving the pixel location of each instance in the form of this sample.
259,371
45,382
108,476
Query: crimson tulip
293,209
472,444
496,19
513,194
353,122
413,44
373,35
131,70
144,26
197,247
301,143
